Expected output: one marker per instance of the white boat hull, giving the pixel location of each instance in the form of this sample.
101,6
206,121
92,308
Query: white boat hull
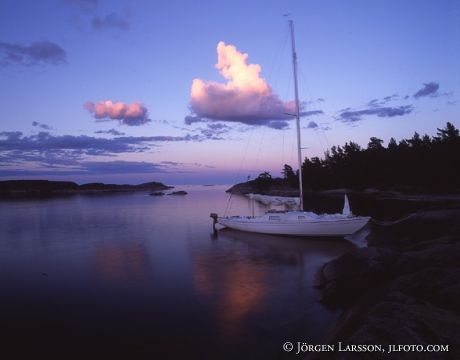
297,224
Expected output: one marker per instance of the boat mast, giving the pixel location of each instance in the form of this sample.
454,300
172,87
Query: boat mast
297,113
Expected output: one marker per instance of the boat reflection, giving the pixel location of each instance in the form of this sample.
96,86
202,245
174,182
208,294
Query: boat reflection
288,248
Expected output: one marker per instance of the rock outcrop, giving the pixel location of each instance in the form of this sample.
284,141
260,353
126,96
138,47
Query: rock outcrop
403,289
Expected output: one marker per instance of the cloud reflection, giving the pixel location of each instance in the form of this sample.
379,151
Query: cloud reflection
240,289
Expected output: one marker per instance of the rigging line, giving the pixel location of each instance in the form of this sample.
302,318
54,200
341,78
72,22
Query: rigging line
320,128
227,207
277,67
278,63
328,145
294,153
239,170
256,160
323,132
286,85
282,148
251,132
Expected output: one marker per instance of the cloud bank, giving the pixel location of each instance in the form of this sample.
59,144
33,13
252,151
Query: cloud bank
41,126
429,89
351,116
47,155
246,97
312,125
14,144
44,154
37,53
134,114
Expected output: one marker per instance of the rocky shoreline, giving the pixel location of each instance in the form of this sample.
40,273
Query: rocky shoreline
12,189
404,288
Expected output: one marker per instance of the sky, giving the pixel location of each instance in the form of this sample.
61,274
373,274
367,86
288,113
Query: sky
201,92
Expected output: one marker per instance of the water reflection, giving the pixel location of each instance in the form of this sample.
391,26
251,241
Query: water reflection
121,263
237,288
288,250
246,275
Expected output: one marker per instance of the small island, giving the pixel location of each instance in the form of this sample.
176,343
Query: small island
178,193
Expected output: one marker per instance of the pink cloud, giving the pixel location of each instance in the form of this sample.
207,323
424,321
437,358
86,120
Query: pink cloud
129,114
246,97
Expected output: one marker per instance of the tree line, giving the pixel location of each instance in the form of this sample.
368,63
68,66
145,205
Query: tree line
421,163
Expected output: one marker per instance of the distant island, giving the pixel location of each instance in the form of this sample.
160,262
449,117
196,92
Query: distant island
47,188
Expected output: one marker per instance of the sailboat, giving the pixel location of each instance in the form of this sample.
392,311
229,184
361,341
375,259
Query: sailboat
299,222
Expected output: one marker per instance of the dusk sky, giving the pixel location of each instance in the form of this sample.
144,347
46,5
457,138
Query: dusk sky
197,92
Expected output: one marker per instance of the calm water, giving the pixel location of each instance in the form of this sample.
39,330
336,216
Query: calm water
142,276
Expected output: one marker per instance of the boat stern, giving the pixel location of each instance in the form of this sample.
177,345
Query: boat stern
214,217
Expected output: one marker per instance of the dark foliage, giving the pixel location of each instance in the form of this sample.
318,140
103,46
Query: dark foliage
422,163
